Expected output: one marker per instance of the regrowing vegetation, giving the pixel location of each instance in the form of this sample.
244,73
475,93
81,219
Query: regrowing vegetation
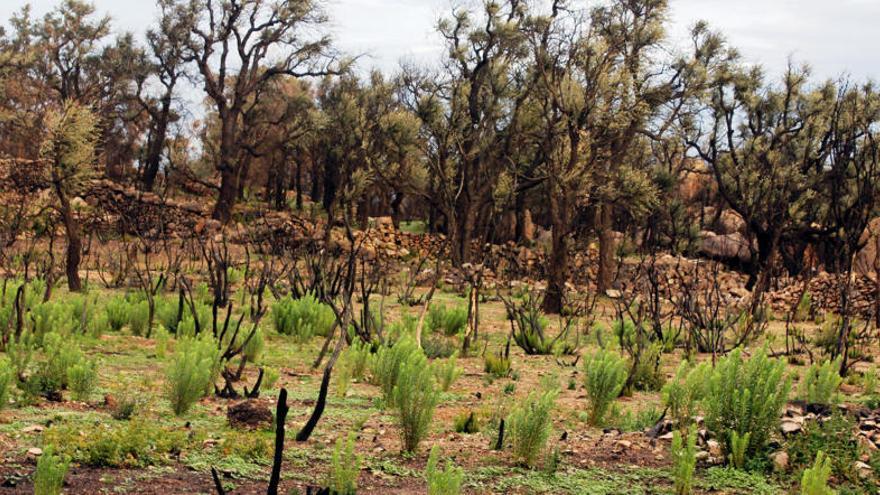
573,255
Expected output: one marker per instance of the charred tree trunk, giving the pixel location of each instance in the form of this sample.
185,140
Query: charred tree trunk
155,146
604,222
228,194
74,239
557,271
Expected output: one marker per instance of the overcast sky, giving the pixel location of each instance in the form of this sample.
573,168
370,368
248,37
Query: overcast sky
834,36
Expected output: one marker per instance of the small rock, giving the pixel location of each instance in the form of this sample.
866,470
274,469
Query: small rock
626,444
702,456
780,461
613,293
32,429
667,436
863,469
35,451
714,448
790,427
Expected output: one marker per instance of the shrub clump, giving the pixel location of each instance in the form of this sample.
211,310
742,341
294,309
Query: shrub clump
191,372
7,375
683,393
531,424
606,374
684,458
442,482
815,479
449,322
50,473
414,399
344,468
388,362
446,372
302,318
821,383
746,396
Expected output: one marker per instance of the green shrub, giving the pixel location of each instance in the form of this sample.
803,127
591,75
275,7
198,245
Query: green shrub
50,473
344,468
162,337
191,372
128,404
133,444
117,311
302,318
605,375
683,393
647,374
467,422
835,438
746,396
815,479
821,383
530,425
446,372
738,446
684,461
83,379
98,325
414,398
388,361
254,347
445,482
804,307
496,365
270,377
638,421
53,317
449,322
869,382
60,356
139,318
438,346
7,377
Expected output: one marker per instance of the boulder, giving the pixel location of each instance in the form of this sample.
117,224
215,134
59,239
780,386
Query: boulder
731,247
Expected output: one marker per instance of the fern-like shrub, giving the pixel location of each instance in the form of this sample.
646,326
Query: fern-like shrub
684,461
302,318
531,424
83,379
388,362
821,383
191,372
442,482
117,312
738,446
815,479
50,473
344,467
496,365
446,372
746,396
7,375
605,375
414,399
683,393
449,322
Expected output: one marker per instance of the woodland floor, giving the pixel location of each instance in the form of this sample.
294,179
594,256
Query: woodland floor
592,461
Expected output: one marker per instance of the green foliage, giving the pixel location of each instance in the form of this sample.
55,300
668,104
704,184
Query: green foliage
530,425
254,347
804,307
738,446
162,337
83,379
60,355
683,393
128,404
270,376
869,382
414,398
815,479
50,473
7,378
684,461
446,372
746,396
605,375
467,422
496,365
447,321
139,318
647,374
344,467
388,362
638,421
191,372
117,311
835,438
302,318
445,482
132,444
821,383
98,325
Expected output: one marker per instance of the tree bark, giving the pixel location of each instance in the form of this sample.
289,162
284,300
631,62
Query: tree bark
228,194
604,221
74,240
557,271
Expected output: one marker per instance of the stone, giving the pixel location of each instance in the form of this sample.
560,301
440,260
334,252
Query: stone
780,461
865,471
790,427
32,429
35,451
613,293
626,444
714,448
249,414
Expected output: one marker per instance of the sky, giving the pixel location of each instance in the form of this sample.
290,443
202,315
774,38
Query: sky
834,37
